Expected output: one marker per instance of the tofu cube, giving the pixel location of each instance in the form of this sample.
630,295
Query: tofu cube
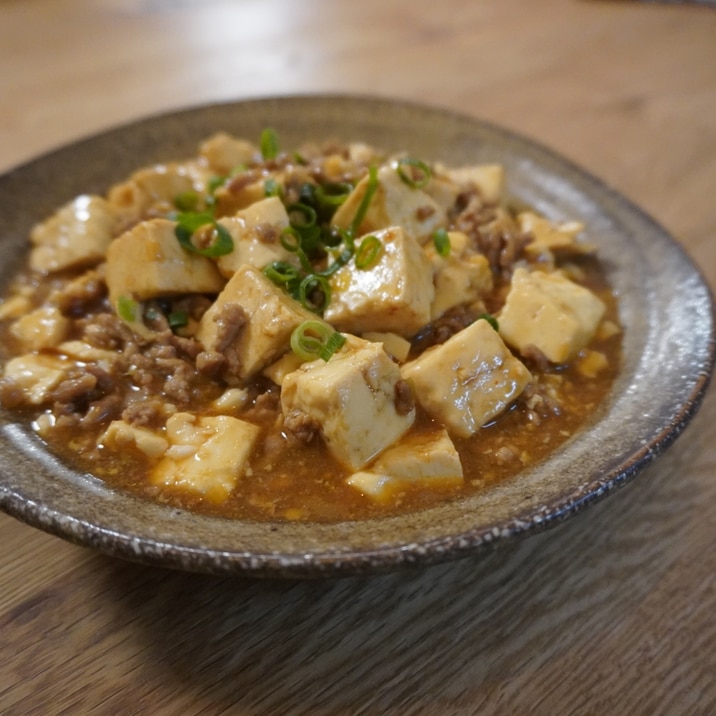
393,204
461,277
156,186
430,461
391,295
44,327
352,397
148,261
489,179
35,376
551,313
120,435
206,455
468,380
77,235
270,318
548,237
256,232
224,152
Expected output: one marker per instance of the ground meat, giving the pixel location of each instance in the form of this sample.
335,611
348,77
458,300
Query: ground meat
230,321
538,402
75,388
534,355
404,398
210,363
301,426
424,212
107,331
444,327
266,233
80,295
145,413
179,386
102,411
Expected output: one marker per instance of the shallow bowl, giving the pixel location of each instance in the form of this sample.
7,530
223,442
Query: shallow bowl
665,307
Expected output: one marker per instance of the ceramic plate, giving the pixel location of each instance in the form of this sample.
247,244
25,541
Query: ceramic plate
665,372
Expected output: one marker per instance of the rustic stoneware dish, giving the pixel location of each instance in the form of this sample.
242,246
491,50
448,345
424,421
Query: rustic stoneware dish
665,307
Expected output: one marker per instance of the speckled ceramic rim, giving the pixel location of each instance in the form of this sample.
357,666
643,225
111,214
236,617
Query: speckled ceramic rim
665,373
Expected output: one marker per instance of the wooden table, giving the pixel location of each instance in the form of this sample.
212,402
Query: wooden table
612,612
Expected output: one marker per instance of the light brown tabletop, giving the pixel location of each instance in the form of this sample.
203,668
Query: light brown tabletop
609,613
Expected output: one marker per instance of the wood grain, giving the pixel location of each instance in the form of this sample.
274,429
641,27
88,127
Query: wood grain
610,613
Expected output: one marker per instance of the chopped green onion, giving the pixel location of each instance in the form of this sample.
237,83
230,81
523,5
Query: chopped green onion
281,272
406,171
315,339
127,309
186,201
272,188
189,223
269,144
490,319
365,201
441,240
368,252
301,216
312,286
292,241
341,260
335,342
178,319
333,195
214,183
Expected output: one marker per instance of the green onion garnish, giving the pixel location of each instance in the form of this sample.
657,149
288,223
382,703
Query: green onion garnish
414,172
490,319
272,188
281,272
441,240
127,309
292,241
314,292
315,339
333,195
368,252
186,201
269,144
365,201
178,319
189,223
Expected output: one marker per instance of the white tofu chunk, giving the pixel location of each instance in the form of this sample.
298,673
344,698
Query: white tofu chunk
44,327
548,237
157,186
393,204
148,261
14,307
393,344
270,317
256,232
224,152
352,398
489,179
279,369
551,313
468,380
120,435
77,235
391,295
36,376
207,455
430,461
461,277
